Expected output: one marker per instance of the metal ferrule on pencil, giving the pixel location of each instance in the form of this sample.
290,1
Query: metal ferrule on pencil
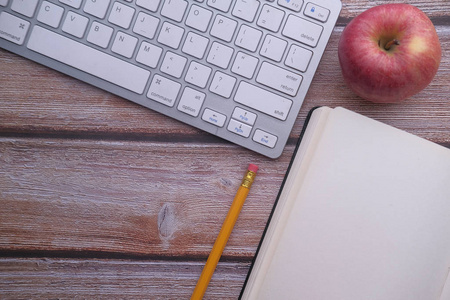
248,179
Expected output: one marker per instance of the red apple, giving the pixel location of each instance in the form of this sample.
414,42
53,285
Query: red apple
389,53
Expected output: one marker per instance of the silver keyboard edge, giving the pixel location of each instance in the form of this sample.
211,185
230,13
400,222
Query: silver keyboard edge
186,118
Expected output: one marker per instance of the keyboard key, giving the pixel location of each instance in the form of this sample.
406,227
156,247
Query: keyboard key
151,5
248,38
273,48
316,12
244,116
279,79
244,65
75,24
149,54
124,44
265,138
245,9
88,59
121,15
294,5
50,14
97,8
198,18
146,25
198,74
214,117
191,102
220,55
170,35
303,31
270,18
100,34
195,45
223,28
174,9
298,58
163,90
263,101
73,3
223,5
173,64
24,7
3,2
239,128
12,28
222,84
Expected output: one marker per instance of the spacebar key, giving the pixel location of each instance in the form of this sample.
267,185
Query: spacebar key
88,59
262,100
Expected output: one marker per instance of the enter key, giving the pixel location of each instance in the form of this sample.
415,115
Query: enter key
279,79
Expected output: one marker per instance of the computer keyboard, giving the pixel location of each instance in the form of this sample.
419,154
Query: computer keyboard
238,69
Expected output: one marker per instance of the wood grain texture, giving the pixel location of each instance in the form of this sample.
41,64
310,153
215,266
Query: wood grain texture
433,9
34,278
102,198
56,105
146,199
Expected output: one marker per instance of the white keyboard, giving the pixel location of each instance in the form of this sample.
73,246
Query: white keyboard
239,69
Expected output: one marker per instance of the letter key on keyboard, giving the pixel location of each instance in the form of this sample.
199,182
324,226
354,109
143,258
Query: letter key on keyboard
239,69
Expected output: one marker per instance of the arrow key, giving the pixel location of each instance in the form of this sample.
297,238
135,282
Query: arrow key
214,117
239,128
265,138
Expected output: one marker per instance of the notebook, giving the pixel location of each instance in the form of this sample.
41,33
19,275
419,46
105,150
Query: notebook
363,213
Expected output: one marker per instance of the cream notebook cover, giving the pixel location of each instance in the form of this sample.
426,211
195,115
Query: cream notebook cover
364,213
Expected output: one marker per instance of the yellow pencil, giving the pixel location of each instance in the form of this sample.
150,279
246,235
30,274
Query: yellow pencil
224,233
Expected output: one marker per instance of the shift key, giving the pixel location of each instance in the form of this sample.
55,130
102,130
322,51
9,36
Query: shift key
263,101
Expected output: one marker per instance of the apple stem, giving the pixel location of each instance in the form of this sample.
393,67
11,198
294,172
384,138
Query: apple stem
388,45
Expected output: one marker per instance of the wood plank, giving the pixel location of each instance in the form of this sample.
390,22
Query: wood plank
54,104
130,198
28,278
433,9
37,99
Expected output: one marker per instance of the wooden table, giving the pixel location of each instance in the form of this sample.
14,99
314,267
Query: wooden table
102,198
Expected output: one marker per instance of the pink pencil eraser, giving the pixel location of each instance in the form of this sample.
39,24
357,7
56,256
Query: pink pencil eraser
253,168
